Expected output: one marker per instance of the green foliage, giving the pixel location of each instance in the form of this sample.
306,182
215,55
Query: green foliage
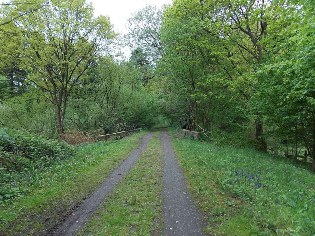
100,92
139,59
11,46
4,88
144,32
62,40
242,67
231,68
34,148
205,92
287,92
112,98
28,112
22,153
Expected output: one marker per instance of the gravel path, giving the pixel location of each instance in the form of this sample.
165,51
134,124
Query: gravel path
80,215
181,216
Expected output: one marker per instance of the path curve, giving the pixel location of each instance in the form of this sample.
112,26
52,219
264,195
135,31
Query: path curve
181,216
83,212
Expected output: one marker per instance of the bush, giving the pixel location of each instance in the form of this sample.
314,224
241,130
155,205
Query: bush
23,156
11,162
28,112
15,144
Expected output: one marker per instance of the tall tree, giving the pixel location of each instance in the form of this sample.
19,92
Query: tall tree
11,46
21,8
286,95
199,64
242,25
224,40
62,41
140,60
144,32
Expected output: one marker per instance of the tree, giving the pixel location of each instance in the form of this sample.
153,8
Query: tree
62,42
112,98
200,67
140,60
243,27
11,46
144,32
4,88
287,92
22,8
223,44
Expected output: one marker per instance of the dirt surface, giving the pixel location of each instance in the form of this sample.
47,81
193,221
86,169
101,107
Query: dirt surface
75,221
181,216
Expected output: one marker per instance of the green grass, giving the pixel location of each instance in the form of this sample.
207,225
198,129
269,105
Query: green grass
244,192
52,192
134,208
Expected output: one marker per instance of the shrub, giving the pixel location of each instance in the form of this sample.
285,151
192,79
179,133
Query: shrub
12,162
23,155
35,148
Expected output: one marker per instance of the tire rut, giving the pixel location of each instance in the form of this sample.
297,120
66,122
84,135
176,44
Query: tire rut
181,216
79,217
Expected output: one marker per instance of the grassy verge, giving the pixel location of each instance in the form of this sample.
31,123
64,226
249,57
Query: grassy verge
135,206
54,191
244,192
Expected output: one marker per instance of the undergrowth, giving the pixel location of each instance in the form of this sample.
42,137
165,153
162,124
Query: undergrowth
23,154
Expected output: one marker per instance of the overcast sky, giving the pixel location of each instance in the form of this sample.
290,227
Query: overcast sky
120,11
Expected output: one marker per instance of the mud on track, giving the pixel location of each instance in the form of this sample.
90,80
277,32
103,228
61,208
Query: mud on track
78,218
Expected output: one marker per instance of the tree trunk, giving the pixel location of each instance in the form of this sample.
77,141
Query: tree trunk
60,106
261,142
59,119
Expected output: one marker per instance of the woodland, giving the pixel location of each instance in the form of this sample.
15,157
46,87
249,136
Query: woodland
241,73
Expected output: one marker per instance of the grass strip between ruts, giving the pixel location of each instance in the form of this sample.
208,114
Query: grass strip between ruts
135,206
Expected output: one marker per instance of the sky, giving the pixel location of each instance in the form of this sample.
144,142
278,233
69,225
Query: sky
119,11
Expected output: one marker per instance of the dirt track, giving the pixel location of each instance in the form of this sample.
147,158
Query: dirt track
82,213
181,216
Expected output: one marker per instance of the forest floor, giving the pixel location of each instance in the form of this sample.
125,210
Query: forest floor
166,186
